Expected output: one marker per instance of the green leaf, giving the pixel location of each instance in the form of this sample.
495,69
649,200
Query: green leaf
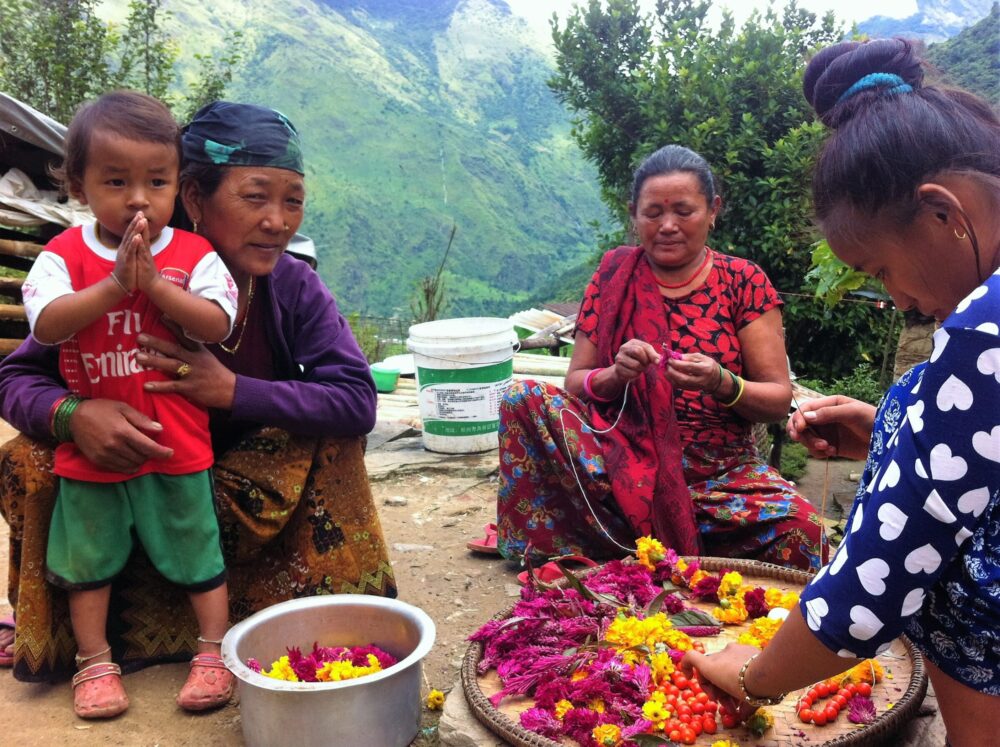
693,617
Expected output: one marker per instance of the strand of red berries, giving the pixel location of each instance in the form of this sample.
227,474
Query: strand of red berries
810,714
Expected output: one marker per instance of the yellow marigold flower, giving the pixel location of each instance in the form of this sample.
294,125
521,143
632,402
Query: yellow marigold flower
282,670
659,697
656,713
578,675
725,743
661,666
562,707
869,671
649,552
627,632
679,567
731,612
698,576
435,700
678,639
730,584
760,722
772,597
596,705
336,671
760,632
607,735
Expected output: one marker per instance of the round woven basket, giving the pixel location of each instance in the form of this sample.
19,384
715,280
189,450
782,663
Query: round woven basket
905,691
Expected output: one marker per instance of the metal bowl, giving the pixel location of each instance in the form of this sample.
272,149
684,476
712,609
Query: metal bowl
381,709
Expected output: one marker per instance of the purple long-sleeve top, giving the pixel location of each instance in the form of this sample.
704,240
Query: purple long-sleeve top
322,386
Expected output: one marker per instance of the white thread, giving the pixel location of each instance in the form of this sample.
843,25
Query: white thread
572,461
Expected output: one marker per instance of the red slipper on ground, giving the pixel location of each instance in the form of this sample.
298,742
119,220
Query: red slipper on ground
488,544
551,572
7,651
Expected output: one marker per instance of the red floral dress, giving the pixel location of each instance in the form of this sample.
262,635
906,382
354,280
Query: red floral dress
555,496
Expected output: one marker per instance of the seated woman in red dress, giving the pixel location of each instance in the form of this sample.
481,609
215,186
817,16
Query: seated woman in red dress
678,351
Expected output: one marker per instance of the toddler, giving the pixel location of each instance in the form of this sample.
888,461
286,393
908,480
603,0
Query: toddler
92,291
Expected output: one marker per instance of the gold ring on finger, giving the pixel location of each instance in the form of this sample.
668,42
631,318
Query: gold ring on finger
183,370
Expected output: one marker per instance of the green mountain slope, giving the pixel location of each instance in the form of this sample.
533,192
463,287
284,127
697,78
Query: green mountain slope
417,114
972,58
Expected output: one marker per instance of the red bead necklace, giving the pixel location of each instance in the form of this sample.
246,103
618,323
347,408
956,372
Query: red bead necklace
672,286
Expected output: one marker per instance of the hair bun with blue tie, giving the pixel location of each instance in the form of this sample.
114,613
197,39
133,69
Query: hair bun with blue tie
847,76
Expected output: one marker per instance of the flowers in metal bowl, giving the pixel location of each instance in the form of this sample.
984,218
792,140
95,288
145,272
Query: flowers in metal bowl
326,663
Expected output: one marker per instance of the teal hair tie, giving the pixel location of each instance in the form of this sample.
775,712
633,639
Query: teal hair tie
891,82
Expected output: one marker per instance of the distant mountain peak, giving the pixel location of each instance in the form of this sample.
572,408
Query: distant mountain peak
935,20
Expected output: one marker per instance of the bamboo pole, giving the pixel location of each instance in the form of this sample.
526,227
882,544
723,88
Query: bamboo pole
10,312
26,249
8,346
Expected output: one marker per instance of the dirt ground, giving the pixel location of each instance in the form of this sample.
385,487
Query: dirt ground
428,513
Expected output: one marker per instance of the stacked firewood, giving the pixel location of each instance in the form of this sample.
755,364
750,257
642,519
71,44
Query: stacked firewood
17,252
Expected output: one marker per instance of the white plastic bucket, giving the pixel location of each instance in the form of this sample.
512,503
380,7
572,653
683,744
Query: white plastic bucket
463,368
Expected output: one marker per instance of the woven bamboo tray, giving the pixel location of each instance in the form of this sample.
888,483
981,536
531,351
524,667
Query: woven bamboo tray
905,691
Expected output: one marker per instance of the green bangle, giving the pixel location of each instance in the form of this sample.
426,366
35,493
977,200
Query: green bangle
739,383
60,421
718,386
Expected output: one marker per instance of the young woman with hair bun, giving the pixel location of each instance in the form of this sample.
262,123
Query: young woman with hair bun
907,189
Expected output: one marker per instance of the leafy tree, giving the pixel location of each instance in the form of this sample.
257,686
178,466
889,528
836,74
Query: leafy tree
215,73
147,55
639,81
56,54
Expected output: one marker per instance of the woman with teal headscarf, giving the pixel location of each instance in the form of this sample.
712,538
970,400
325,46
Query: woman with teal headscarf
290,396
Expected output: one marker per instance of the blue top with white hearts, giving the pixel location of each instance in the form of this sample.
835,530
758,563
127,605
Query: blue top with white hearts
922,554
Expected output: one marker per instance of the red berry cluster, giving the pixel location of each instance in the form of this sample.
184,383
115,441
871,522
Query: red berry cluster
813,712
695,712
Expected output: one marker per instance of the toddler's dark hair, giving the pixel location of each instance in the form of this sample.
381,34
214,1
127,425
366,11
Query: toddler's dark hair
128,114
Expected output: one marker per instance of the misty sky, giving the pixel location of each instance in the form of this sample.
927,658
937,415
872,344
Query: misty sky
849,11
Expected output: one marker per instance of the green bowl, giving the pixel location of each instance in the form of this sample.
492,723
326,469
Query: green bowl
385,377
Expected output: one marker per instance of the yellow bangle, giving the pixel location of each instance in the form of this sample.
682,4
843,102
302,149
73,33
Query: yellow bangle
739,384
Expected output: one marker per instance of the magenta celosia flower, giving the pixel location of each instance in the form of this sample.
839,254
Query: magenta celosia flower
579,724
541,722
707,589
359,656
693,567
641,726
254,665
860,710
755,604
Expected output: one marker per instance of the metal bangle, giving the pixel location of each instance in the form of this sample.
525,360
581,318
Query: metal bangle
752,700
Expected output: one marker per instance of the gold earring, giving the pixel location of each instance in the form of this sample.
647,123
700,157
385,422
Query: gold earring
194,226
287,226
962,237
711,226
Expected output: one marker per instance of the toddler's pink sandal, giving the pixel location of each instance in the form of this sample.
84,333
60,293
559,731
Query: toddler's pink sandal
98,691
209,684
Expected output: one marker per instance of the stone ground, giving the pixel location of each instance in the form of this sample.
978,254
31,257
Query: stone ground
430,506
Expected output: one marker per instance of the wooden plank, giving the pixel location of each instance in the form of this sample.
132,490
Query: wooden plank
8,346
11,286
14,248
10,312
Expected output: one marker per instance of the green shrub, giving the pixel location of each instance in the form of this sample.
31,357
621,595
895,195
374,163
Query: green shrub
862,383
793,460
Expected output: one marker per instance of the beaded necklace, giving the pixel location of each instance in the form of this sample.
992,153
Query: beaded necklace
243,328
672,286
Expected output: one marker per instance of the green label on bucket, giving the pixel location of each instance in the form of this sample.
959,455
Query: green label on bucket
469,375
462,401
452,428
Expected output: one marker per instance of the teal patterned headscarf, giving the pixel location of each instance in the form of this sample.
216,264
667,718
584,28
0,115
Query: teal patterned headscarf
228,134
